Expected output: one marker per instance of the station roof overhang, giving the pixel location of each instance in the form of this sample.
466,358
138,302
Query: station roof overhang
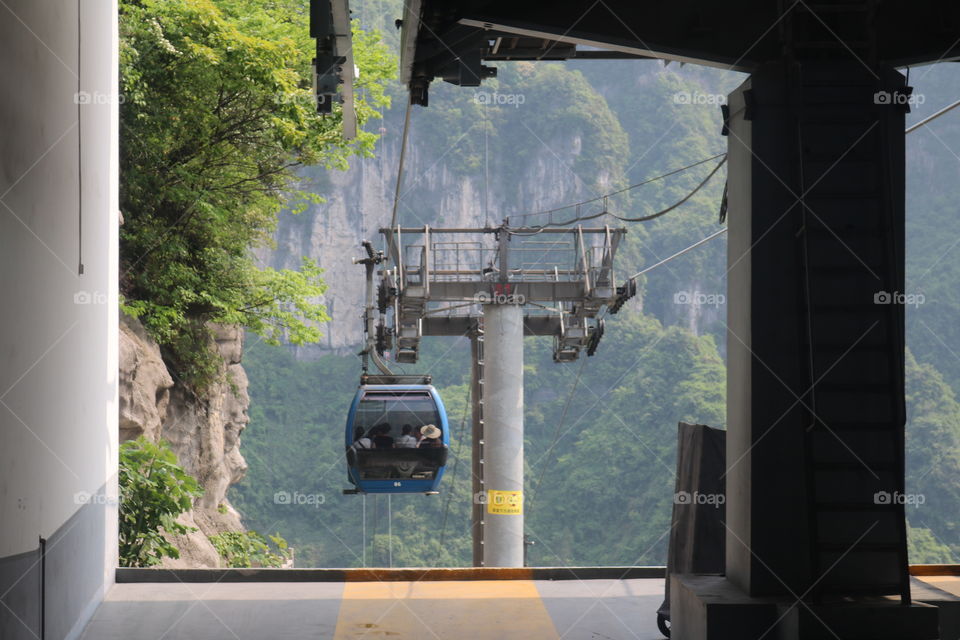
452,40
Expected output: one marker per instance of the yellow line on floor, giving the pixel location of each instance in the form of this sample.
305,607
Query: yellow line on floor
481,609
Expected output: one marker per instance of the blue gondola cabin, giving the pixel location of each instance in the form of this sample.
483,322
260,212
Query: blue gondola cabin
397,437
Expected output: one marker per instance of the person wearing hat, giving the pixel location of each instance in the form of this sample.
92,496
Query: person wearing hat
430,436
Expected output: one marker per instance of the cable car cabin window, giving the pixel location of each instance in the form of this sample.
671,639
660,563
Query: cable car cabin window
394,446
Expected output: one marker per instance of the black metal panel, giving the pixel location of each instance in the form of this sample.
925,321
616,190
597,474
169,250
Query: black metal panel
463,325
330,56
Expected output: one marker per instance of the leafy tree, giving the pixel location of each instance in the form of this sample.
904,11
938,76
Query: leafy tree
218,115
924,548
154,490
933,464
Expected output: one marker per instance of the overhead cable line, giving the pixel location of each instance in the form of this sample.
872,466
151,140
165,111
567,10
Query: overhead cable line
403,154
932,117
374,258
535,489
625,189
605,197
646,218
456,464
679,253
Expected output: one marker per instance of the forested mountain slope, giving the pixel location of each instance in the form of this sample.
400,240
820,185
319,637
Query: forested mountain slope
541,136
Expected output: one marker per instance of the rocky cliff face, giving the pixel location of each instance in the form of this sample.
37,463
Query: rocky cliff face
204,432
145,384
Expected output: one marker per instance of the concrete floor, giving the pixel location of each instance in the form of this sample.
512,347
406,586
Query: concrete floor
494,609
481,609
950,584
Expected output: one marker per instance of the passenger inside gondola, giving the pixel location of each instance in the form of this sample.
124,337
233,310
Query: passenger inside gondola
381,437
360,440
407,440
430,437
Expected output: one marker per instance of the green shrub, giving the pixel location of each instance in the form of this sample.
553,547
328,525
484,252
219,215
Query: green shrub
250,549
154,490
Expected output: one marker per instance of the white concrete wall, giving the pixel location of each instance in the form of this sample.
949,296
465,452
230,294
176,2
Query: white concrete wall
58,327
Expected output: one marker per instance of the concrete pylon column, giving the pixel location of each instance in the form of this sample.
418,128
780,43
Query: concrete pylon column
503,431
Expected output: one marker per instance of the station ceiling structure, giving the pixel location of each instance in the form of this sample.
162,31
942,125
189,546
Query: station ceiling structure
451,41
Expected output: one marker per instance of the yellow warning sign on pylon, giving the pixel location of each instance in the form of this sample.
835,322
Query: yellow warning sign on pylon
505,502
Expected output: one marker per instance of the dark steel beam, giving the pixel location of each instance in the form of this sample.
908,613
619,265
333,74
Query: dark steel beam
463,325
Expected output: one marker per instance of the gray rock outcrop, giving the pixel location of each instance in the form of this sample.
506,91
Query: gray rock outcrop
145,383
204,431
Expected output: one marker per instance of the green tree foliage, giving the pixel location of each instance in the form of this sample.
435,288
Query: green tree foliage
925,548
217,117
933,464
154,490
241,549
